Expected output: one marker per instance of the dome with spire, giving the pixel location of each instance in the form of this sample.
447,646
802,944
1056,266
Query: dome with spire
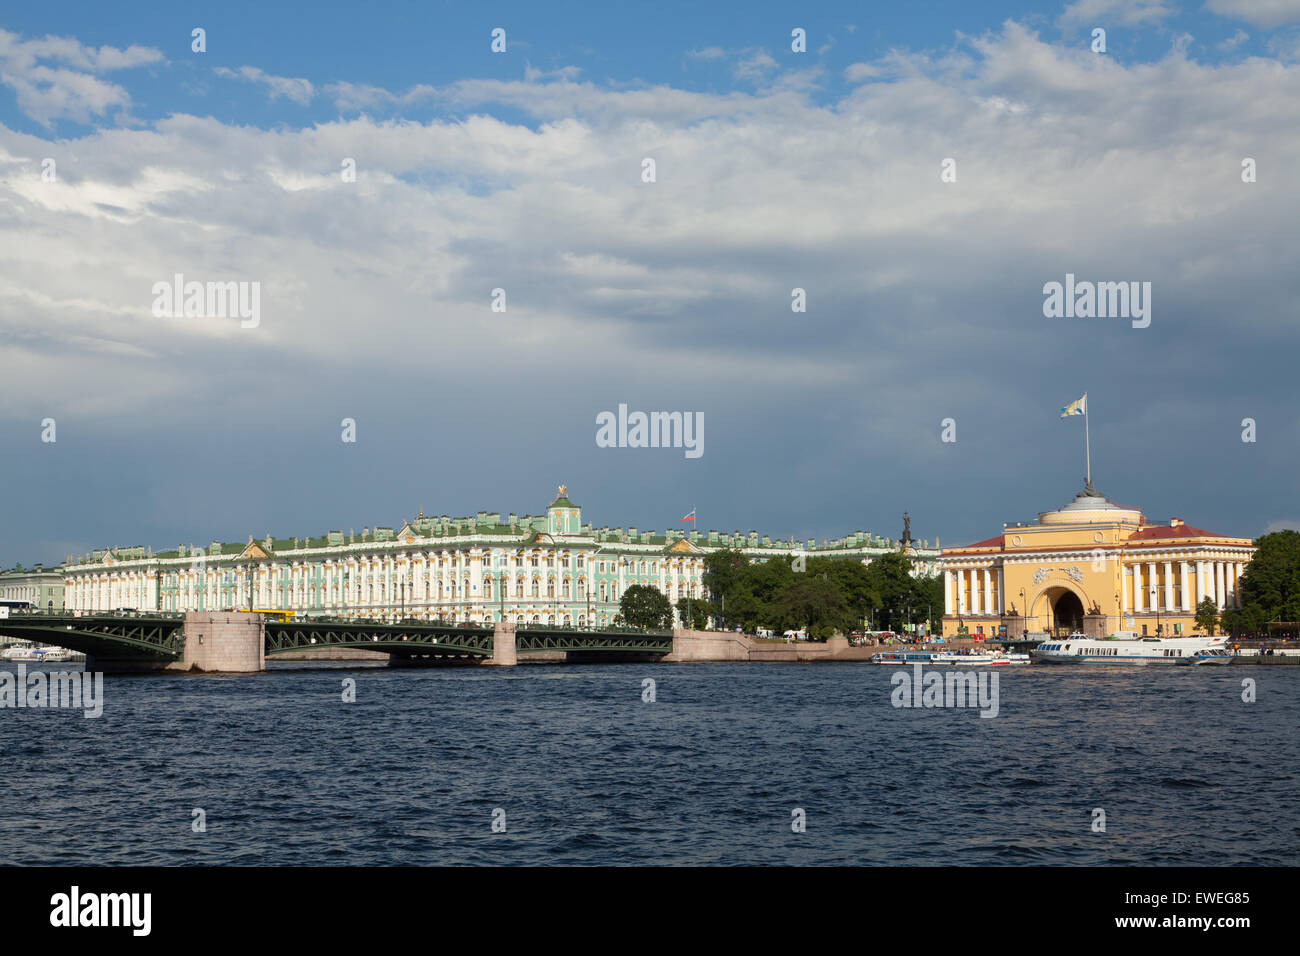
1090,506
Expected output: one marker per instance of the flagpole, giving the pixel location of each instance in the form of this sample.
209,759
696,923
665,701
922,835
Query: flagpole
1087,442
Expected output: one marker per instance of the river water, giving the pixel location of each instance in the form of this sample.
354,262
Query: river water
581,769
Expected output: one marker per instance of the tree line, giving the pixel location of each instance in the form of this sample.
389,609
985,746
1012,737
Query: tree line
1269,588
822,595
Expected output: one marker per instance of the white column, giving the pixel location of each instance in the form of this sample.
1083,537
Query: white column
1123,592
1220,592
1154,585
1232,584
1184,568
1002,595
1139,592
961,590
975,602
1169,585
948,603
988,592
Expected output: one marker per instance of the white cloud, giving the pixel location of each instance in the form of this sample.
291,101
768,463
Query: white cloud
1067,162
857,72
754,67
1106,13
1234,41
280,87
55,77
1264,14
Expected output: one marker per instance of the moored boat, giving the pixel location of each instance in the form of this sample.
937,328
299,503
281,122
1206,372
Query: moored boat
39,654
1081,649
980,659
903,657
1211,655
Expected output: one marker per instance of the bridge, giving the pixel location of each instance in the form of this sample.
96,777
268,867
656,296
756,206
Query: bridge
238,642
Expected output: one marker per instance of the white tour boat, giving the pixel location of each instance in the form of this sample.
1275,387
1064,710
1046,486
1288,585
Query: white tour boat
1123,649
979,659
39,654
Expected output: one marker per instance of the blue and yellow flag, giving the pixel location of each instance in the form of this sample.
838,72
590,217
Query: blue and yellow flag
1076,408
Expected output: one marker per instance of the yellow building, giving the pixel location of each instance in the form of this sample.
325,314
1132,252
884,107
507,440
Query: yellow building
1092,566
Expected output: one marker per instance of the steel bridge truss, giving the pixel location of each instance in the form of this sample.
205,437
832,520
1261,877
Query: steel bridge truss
147,636
405,639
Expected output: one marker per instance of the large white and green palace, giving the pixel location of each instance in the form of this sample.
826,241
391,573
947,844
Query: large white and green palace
549,569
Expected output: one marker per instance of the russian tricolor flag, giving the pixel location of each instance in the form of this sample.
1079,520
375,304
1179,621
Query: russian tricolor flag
690,517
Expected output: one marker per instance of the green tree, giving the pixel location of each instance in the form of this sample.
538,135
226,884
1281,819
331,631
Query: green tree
858,591
1207,615
1270,586
693,612
644,606
813,601
722,571
927,596
891,577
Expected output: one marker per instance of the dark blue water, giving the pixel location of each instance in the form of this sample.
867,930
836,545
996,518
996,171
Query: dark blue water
587,773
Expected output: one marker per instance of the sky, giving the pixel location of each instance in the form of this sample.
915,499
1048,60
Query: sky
921,171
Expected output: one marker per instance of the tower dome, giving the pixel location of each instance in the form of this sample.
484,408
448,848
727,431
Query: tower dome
1090,506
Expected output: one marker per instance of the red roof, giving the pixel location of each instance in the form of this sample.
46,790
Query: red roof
1164,531
986,543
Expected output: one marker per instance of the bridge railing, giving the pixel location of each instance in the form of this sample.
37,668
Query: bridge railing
588,629
134,615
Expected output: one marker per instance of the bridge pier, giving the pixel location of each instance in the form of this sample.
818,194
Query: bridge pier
504,653
223,642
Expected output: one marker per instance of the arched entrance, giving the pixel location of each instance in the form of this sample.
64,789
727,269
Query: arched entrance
1056,610
1067,613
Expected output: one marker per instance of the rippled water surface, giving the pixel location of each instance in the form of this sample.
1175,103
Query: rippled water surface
710,772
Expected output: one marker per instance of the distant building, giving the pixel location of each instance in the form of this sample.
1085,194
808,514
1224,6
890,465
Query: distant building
546,569
1094,567
38,587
